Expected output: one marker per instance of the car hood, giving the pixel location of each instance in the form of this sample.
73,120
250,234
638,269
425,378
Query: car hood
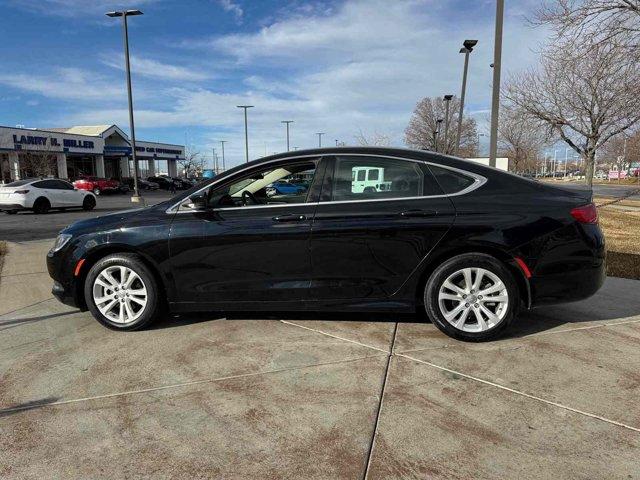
104,222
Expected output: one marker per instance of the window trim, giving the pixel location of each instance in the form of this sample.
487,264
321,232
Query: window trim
478,181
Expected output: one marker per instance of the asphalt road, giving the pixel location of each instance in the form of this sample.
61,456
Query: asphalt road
29,226
602,190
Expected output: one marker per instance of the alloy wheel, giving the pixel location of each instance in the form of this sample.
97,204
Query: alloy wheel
473,299
120,294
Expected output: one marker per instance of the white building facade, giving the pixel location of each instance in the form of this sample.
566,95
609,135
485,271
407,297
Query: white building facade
101,151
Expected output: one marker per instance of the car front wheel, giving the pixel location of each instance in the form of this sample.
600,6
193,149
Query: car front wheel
471,297
96,191
121,292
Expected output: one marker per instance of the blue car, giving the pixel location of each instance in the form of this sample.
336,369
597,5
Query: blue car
285,188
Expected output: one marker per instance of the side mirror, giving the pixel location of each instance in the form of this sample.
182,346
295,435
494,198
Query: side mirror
198,201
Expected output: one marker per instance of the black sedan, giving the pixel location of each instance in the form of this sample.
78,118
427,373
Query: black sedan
468,244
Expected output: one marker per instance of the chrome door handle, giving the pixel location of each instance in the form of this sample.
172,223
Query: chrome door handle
418,213
293,217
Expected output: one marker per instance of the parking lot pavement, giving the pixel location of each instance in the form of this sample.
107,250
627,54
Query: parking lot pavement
299,396
26,226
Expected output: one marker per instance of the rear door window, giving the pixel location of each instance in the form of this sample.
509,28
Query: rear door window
451,181
373,178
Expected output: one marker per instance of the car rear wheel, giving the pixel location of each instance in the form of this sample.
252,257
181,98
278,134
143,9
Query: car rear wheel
471,297
88,203
41,205
121,292
96,190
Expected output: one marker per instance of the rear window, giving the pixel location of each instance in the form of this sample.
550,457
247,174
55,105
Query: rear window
450,181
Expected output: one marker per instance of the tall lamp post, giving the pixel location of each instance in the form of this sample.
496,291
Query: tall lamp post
287,122
222,142
447,101
467,48
246,134
124,14
495,97
320,139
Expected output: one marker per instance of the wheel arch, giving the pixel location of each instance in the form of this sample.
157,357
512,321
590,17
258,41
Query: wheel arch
98,253
437,259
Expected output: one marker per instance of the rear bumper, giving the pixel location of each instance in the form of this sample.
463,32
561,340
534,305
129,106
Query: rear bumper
12,206
573,270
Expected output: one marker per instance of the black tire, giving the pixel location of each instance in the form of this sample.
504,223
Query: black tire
10,212
149,311
89,203
96,191
41,205
450,267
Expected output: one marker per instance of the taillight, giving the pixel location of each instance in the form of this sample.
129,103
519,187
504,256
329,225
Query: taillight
585,214
21,192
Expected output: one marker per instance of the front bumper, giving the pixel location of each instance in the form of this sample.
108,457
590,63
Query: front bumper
64,283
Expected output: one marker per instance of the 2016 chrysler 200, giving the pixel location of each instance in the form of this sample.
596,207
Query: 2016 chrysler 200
468,243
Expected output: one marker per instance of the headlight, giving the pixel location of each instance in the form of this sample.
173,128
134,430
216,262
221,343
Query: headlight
61,241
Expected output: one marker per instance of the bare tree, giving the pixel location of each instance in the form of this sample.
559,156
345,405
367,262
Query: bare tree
622,150
586,96
426,133
376,139
520,138
615,22
193,162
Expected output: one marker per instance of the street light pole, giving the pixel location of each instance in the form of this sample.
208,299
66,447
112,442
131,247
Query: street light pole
447,101
222,142
136,198
467,48
495,100
287,122
246,131
435,134
320,139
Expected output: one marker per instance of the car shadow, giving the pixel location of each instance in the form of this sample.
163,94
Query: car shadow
595,311
7,324
21,407
178,320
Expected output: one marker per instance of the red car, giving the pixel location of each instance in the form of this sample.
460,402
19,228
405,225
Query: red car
96,185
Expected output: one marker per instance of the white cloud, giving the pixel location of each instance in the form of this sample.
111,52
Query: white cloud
76,8
65,83
232,7
153,68
360,66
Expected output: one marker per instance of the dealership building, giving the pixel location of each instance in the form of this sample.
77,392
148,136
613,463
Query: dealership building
101,151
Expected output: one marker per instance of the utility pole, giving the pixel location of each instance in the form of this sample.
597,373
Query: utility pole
495,101
222,142
246,131
287,122
320,139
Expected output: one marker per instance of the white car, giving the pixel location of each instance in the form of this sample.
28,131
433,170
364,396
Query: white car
40,195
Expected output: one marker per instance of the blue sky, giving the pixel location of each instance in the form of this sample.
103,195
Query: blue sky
338,67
